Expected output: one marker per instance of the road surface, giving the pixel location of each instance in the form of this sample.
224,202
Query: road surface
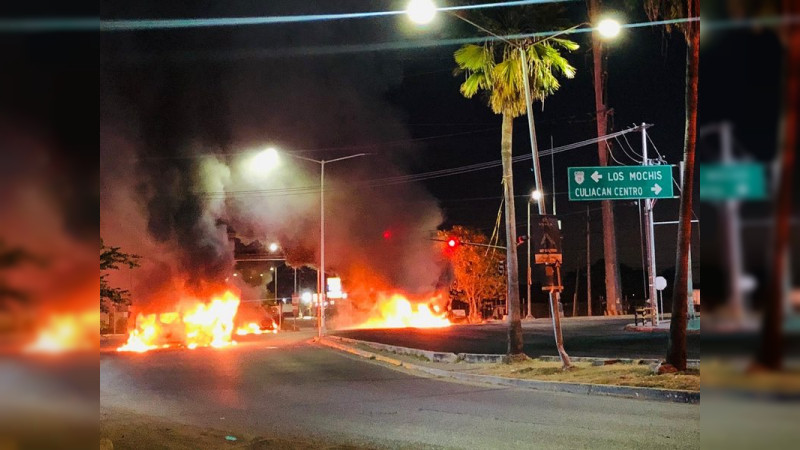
583,336
283,386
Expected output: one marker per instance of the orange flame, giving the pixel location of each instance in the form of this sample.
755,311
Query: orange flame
254,328
198,325
67,332
396,311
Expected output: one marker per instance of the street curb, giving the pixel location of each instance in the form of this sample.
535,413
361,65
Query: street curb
666,395
427,354
481,358
649,329
494,358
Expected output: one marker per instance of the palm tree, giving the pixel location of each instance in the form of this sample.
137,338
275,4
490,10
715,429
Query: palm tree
495,69
770,352
673,9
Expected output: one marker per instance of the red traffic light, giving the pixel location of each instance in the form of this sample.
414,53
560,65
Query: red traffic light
452,243
387,234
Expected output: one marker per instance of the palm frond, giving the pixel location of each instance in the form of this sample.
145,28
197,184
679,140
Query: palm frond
503,80
507,74
474,58
477,81
566,44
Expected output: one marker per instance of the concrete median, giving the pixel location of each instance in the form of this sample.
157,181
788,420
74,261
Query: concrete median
644,393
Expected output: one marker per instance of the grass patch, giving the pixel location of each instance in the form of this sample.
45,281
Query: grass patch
584,372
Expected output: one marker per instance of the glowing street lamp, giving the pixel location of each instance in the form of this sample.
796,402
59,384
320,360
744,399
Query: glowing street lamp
609,28
536,195
421,12
265,160
273,247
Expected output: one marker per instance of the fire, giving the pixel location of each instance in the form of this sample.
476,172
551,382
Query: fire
397,311
67,332
197,325
253,328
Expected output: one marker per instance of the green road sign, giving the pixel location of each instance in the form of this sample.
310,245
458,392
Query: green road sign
619,182
736,181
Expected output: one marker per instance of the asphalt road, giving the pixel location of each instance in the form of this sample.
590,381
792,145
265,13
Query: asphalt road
282,386
583,336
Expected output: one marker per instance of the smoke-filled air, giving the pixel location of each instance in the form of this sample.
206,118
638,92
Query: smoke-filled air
178,192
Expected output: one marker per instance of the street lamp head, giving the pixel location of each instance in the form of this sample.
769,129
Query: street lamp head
609,28
273,247
421,12
536,195
265,160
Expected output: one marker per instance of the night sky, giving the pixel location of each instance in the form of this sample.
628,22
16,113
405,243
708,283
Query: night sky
319,90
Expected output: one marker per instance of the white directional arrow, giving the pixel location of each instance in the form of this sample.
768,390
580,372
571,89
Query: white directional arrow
596,176
656,189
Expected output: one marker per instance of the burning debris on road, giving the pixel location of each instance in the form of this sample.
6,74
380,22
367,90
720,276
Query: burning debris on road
67,332
397,311
194,324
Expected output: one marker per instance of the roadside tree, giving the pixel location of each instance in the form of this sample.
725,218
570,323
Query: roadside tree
476,274
111,258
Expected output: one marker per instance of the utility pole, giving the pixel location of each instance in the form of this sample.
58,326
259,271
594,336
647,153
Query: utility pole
602,111
649,239
588,266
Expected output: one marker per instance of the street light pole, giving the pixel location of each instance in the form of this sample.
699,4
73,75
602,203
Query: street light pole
537,171
321,292
321,271
295,296
278,301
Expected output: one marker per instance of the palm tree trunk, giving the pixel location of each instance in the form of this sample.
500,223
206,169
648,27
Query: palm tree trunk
770,350
512,272
676,349
609,224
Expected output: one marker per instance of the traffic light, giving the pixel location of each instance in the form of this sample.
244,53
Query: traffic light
452,242
521,240
501,267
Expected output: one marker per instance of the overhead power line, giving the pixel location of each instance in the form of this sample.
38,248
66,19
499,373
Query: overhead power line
402,179
155,24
